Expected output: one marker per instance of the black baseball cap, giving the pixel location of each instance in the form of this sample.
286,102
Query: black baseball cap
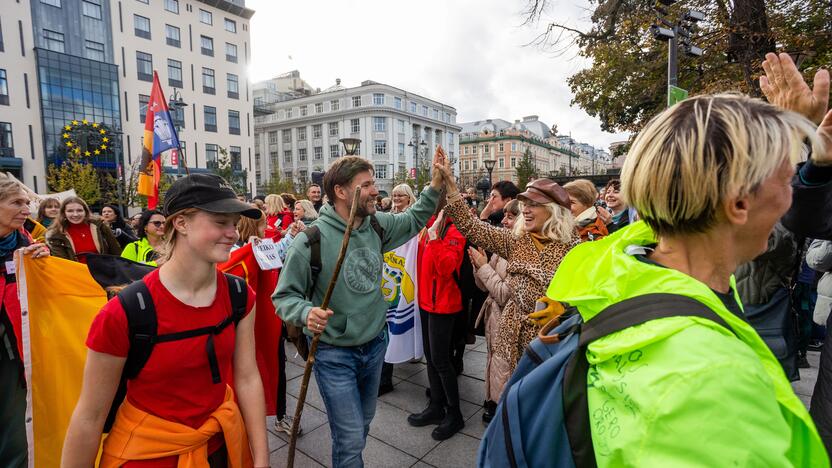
207,192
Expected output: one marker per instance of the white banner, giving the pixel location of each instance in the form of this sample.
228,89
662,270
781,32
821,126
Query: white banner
265,252
399,284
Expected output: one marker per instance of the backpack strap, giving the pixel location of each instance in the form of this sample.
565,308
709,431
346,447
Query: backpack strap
313,241
624,314
377,227
238,290
141,324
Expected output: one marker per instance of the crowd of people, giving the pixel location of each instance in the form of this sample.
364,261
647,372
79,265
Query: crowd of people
710,205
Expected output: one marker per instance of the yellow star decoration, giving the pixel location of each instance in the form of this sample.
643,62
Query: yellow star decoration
102,131
105,139
66,135
97,152
77,150
69,144
85,121
94,125
74,122
67,128
103,147
87,153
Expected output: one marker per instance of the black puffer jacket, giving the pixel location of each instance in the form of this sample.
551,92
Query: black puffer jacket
759,279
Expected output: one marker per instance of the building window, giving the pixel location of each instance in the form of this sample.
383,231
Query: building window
474,164
486,149
209,85
234,122
333,151
287,136
94,50
401,127
379,124
333,129
141,26
355,126
378,99
301,133
236,158
289,113
381,171
91,8
2,49
500,148
334,105
513,148
301,154
273,137
447,117
143,100
380,147
318,153
172,6
4,88
211,156
303,111
210,119
174,73
55,3
144,66
230,52
397,103
302,175
6,142
412,107
436,114
401,150
319,108
467,165
54,41
172,36
513,162
425,111
502,162
207,45
287,158
233,86
230,25
356,101
317,131
206,17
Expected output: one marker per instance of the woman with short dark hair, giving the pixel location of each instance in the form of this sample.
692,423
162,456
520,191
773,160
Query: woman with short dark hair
151,229
111,215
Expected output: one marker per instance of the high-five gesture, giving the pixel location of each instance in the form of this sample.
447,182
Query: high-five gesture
439,159
442,169
784,86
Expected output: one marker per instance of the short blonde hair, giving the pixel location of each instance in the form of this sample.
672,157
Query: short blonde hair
583,190
560,227
694,155
274,204
404,189
308,209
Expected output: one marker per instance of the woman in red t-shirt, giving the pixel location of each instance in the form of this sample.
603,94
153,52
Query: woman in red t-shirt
75,234
278,217
175,397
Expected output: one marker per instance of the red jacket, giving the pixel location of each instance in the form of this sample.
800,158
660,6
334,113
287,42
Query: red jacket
439,262
11,303
278,222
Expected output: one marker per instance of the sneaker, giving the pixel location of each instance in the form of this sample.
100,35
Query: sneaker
285,425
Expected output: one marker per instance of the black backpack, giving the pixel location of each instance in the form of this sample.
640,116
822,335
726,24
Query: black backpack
141,322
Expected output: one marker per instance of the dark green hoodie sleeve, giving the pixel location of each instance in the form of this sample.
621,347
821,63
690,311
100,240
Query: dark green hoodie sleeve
289,298
400,228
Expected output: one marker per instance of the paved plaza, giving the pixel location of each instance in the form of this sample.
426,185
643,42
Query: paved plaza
394,443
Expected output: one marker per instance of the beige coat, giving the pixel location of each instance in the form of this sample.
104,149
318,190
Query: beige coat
491,278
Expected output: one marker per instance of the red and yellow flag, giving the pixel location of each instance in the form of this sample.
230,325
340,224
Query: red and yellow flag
159,136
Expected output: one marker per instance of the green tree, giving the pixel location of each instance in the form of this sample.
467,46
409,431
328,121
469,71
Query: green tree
625,85
526,169
74,173
130,194
278,185
225,168
403,177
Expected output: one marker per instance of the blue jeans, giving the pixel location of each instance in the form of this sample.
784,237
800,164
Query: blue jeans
348,378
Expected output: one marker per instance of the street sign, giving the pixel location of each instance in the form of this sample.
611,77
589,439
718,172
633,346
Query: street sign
412,172
675,94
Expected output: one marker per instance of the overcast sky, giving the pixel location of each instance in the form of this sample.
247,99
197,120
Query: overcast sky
469,54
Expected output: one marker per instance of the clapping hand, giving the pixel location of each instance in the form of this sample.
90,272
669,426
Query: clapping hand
784,86
439,160
477,256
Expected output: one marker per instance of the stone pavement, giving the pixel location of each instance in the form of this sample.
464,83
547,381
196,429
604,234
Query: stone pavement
394,443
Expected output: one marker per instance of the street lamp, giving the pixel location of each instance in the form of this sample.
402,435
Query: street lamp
422,148
489,166
178,104
350,145
674,33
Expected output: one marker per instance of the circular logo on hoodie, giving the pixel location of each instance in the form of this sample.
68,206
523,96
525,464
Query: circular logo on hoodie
362,269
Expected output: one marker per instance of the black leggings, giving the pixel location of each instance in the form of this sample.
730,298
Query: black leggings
437,332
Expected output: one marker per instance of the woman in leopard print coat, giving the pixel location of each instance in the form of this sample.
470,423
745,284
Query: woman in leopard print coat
534,249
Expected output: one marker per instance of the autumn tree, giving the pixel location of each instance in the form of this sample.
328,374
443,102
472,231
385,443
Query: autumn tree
626,82
75,173
226,168
526,169
278,185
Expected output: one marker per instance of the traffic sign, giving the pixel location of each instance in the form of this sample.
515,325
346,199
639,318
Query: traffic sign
675,94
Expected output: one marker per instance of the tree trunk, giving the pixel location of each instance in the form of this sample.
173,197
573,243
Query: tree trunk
750,39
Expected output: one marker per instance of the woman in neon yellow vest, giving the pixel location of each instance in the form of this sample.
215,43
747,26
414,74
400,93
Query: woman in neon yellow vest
151,231
709,177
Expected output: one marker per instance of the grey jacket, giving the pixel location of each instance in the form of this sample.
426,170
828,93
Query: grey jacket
759,279
819,258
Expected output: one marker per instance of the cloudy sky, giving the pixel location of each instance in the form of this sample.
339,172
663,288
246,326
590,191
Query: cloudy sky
466,53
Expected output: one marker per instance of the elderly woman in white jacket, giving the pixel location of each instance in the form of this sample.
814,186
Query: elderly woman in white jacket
819,258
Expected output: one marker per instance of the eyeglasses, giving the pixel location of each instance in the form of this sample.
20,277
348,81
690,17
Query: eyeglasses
158,224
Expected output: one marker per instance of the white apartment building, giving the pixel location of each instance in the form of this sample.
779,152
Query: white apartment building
302,135
94,60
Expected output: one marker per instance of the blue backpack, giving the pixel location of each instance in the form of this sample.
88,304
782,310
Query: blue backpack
543,417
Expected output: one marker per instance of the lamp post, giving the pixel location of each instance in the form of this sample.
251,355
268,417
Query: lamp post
489,166
176,102
419,152
350,145
670,32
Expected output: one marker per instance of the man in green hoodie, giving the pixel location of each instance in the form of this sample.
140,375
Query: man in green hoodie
353,332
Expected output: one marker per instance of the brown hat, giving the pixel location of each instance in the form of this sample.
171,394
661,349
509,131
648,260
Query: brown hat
545,191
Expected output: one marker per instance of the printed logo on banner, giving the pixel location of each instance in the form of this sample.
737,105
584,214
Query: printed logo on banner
396,284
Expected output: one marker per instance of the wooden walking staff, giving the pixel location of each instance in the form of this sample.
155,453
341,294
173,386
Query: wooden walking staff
307,371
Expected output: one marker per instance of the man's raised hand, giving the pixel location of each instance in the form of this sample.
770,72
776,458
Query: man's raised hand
784,86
